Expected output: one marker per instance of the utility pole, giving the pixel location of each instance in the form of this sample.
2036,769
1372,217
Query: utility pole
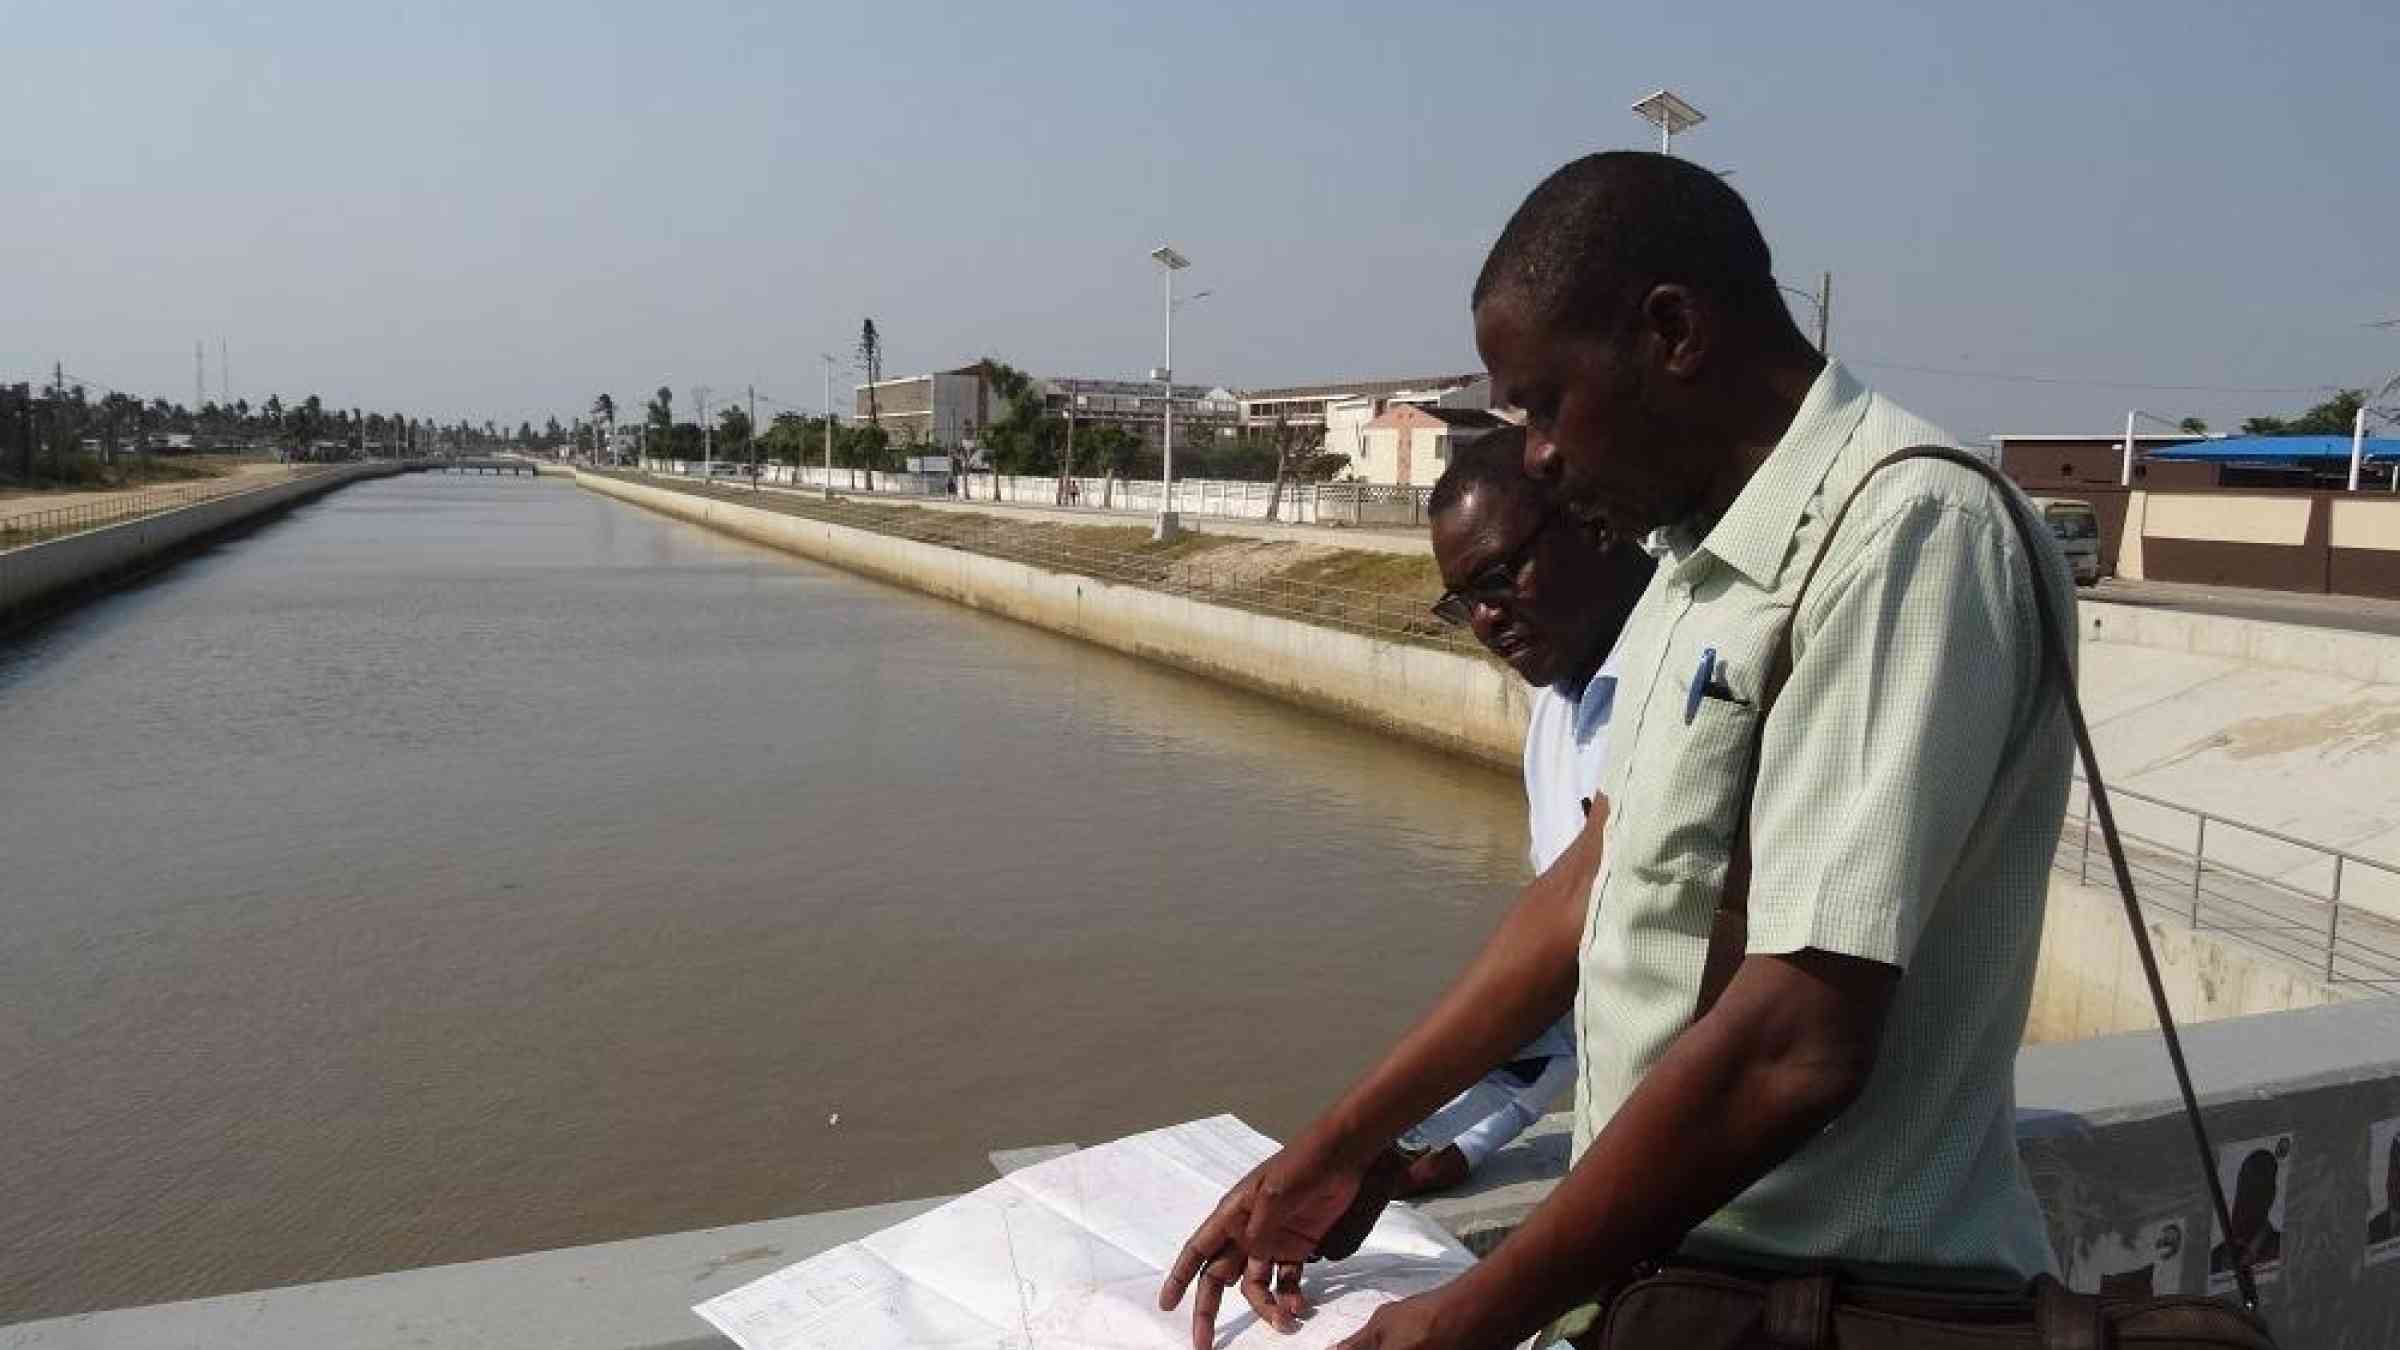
199,380
753,438
708,445
224,376
1066,477
1825,317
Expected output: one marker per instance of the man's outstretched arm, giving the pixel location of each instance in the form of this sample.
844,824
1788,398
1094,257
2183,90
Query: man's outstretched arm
1783,1052
1277,1217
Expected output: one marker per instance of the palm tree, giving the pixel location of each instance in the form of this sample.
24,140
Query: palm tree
604,409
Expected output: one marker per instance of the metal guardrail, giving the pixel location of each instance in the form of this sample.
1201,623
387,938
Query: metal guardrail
23,528
1375,613
2341,941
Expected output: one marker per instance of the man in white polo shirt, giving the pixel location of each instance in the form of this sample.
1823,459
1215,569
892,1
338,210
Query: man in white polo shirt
1542,595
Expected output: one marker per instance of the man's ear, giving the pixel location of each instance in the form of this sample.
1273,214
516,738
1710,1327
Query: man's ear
1675,329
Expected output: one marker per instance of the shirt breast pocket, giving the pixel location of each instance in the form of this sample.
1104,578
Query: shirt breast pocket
1700,778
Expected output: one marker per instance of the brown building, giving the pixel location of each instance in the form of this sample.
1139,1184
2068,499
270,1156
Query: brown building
2089,468
2268,512
1409,445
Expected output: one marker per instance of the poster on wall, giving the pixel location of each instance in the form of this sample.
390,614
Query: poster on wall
2144,1261
2383,1191
2255,1174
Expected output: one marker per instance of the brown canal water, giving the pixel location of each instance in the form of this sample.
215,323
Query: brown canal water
461,867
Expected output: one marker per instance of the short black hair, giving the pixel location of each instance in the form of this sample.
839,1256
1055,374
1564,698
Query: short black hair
1604,229
1496,459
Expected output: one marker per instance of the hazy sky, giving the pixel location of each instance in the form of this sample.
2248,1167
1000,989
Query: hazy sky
502,208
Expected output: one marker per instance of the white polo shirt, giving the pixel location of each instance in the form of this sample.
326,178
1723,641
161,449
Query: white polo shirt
1566,751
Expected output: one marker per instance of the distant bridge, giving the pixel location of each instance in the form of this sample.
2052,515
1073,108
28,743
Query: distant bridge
492,466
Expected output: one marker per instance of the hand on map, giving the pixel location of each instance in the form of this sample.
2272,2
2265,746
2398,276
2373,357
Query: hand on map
1435,1321
1297,1206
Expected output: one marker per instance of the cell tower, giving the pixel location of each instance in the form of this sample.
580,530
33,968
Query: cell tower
870,360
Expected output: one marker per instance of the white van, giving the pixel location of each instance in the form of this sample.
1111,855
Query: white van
2076,526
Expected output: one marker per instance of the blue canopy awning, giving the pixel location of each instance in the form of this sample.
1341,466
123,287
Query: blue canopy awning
2280,449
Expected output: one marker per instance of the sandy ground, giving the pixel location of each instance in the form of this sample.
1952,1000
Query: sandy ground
245,475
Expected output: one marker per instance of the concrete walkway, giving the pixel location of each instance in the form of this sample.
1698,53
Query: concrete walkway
2346,612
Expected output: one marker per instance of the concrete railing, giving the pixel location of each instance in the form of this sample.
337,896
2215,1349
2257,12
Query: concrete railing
2100,1131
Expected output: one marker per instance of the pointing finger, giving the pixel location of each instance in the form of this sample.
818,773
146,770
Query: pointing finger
1261,1300
1287,1289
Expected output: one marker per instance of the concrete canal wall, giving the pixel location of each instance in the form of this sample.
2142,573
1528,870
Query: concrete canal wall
41,577
1457,703
2089,982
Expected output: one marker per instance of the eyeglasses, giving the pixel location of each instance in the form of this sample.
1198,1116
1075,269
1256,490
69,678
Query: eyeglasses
1495,585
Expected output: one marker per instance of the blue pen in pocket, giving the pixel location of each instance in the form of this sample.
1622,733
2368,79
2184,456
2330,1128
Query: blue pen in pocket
1699,690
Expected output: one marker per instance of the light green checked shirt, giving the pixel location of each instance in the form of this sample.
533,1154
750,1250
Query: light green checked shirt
1910,796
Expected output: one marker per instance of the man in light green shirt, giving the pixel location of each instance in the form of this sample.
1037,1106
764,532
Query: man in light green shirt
1846,1101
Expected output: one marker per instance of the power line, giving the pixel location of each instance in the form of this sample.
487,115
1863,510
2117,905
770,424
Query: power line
2012,377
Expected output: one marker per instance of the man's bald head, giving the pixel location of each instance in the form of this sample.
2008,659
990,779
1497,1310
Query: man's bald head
1600,232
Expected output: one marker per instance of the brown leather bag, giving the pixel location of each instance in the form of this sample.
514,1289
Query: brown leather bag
1679,1306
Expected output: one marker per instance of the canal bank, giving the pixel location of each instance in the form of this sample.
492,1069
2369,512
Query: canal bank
41,578
1441,698
2222,938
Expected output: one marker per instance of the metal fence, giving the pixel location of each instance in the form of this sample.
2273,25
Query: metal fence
1405,618
1352,504
2327,909
20,528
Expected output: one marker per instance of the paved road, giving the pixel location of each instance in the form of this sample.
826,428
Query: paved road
2347,612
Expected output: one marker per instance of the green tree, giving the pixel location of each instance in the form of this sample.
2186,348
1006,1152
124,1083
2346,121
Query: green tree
1023,438
658,424
2193,425
2334,417
733,433
604,413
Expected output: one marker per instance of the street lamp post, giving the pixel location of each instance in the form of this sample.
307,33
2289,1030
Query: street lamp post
1169,263
828,358
1670,114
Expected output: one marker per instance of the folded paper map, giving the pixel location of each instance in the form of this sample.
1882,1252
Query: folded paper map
1069,1255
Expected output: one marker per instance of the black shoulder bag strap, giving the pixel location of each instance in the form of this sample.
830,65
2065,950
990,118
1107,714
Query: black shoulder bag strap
1729,929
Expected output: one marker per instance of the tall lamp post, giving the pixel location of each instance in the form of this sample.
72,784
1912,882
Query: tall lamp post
828,359
1169,263
1668,112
